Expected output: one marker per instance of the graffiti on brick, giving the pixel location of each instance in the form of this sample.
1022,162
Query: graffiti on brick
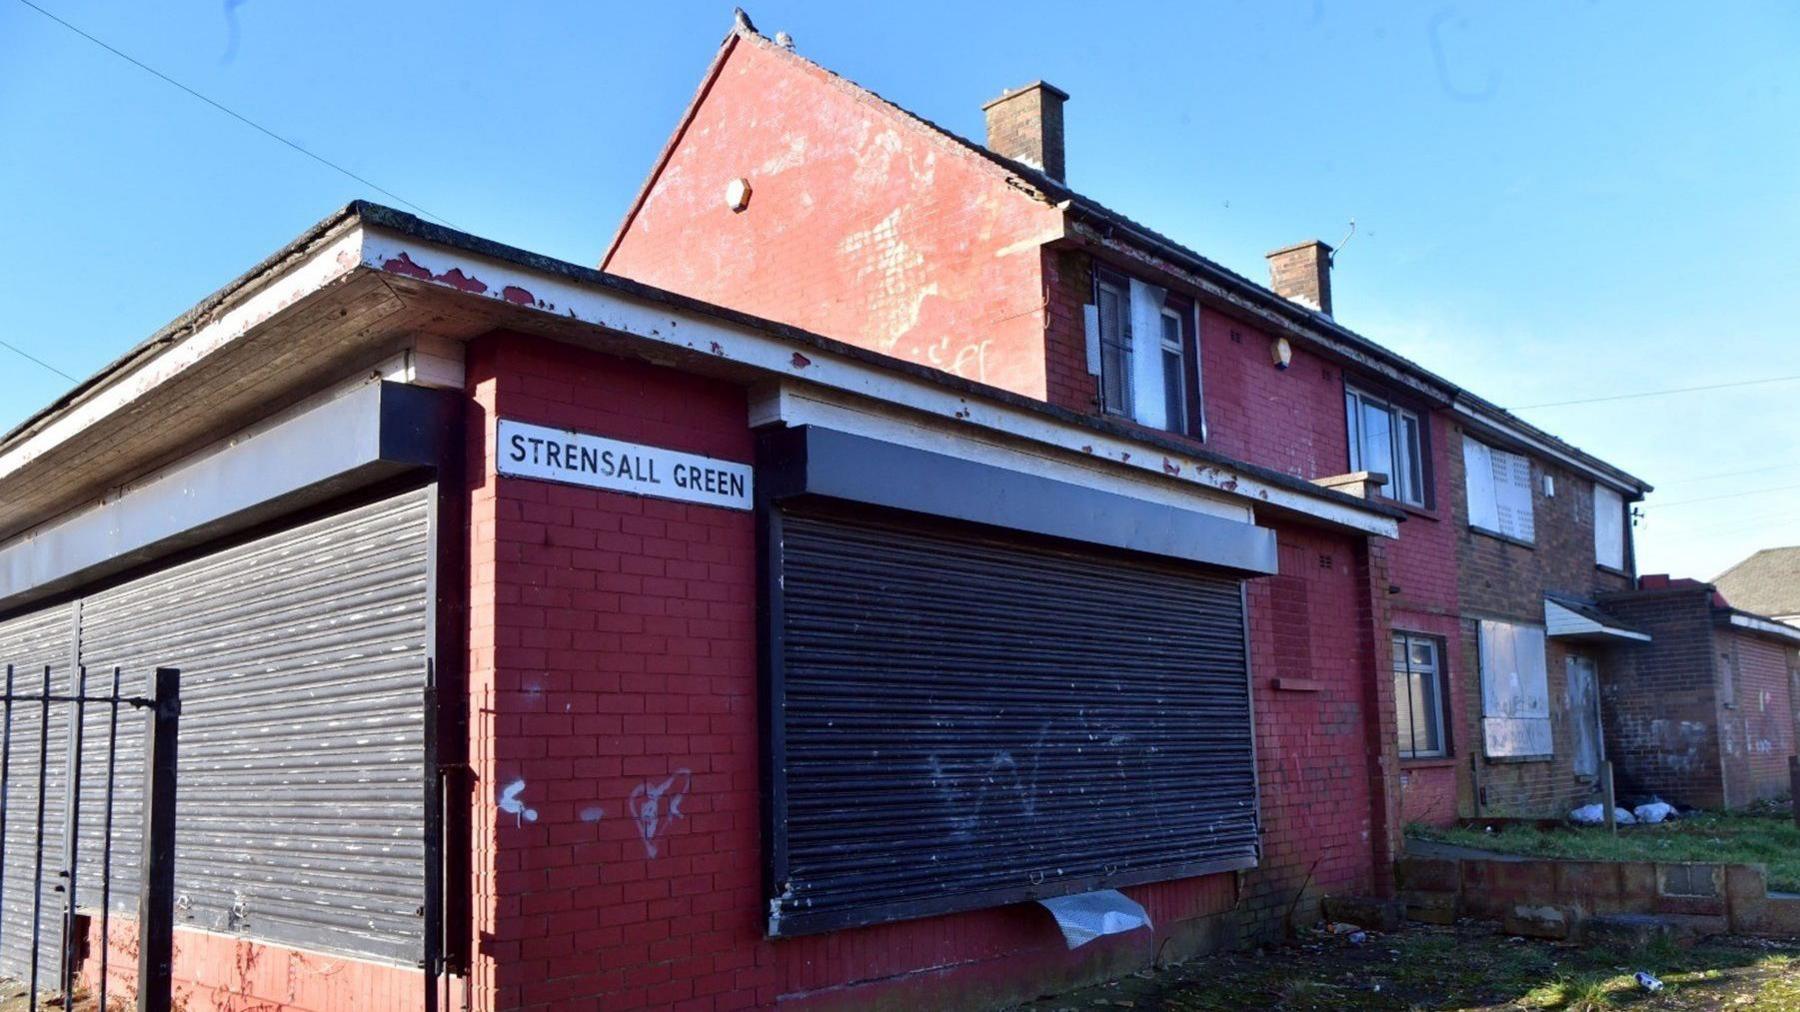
511,804
654,806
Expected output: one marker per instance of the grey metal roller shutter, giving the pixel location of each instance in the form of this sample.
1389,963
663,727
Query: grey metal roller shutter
300,794
30,643
963,718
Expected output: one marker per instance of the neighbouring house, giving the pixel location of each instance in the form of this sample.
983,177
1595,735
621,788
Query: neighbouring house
1767,583
790,192
1706,713
550,640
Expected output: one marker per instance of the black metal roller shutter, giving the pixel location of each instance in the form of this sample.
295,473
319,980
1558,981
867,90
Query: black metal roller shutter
963,718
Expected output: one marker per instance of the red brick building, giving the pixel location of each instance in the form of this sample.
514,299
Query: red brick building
868,223
549,640
1706,714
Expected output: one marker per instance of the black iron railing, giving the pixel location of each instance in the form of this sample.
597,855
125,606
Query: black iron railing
156,883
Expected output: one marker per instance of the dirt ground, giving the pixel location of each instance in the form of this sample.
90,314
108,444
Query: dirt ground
1468,966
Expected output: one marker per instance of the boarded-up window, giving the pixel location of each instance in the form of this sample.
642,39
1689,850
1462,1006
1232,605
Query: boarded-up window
1609,527
1499,487
1515,692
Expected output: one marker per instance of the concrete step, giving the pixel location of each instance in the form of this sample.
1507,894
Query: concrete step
1632,930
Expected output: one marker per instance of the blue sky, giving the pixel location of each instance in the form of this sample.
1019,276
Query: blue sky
1553,201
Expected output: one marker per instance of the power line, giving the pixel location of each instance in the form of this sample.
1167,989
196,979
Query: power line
240,117
1716,498
15,349
1647,393
1724,474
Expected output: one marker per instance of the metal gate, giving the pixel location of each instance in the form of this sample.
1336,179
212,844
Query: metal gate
57,933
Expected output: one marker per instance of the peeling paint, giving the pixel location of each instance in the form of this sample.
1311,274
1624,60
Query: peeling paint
454,277
801,361
517,296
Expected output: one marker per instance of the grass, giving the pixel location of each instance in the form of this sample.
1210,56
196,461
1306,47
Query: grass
1768,839
1465,967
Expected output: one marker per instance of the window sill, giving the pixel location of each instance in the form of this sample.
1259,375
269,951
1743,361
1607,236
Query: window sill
1608,569
1422,512
1517,760
1507,538
1432,763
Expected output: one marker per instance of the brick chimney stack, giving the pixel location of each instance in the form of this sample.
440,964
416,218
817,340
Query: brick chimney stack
1026,125
1302,273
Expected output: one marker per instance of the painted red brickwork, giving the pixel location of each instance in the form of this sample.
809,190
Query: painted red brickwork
863,224
1293,420
1756,721
1314,741
225,973
612,649
613,704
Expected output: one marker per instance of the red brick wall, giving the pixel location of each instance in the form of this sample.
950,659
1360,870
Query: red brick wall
1757,728
613,657
612,646
1314,744
863,224
1293,420
225,973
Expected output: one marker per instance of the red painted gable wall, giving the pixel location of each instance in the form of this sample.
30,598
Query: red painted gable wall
863,225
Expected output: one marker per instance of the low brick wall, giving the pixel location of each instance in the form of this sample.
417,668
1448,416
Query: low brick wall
1717,897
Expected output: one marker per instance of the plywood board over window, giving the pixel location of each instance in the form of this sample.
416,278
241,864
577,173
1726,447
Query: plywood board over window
1609,528
1500,492
1515,692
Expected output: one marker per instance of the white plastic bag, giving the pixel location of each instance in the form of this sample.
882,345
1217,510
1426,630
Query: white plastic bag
1654,812
1595,814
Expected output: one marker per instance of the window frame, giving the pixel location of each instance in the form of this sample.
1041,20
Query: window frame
1405,640
1356,400
1118,353
1119,287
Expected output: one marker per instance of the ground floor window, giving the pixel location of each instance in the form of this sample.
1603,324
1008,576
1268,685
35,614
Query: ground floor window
1419,696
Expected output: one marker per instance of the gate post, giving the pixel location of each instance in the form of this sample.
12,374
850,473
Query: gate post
156,898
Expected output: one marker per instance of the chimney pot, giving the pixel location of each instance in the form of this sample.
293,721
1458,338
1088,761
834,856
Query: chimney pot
1026,125
1302,273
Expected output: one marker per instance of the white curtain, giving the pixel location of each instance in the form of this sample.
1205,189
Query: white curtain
1148,404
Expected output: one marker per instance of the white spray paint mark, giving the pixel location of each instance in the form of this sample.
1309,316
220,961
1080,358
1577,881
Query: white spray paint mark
654,806
592,814
510,803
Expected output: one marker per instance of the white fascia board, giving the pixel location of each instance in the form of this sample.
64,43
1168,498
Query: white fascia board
657,323
795,404
1561,621
1766,627
324,266
1488,422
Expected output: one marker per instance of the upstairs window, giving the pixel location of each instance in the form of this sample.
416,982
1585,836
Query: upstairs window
1609,528
1386,439
1500,494
1142,344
